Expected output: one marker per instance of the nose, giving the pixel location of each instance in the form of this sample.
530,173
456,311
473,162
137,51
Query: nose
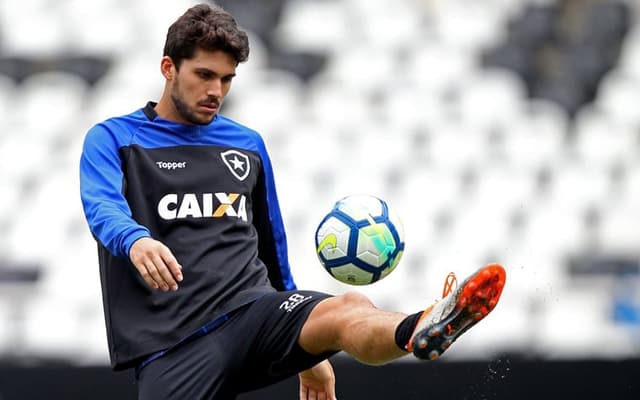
214,89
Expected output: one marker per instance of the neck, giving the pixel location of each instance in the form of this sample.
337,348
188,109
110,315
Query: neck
166,110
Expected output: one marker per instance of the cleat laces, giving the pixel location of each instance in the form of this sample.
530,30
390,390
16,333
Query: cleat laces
450,284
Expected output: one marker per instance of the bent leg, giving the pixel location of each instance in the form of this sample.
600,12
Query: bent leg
351,323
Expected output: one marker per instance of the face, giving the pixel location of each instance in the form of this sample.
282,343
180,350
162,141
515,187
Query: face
199,86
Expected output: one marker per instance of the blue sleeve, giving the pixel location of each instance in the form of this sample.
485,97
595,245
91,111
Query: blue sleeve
105,207
275,220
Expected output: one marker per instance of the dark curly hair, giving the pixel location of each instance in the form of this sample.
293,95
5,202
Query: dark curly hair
208,28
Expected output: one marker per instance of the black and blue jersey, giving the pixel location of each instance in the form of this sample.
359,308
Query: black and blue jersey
208,193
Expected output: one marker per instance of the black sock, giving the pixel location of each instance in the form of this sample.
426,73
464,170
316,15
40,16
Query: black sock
405,329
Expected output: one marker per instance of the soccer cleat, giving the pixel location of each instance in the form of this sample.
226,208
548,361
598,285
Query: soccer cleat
443,322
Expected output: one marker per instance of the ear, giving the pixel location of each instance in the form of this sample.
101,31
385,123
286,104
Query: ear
167,68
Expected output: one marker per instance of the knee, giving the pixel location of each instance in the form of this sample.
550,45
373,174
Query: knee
354,301
329,325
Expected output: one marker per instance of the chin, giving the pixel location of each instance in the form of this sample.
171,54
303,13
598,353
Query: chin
206,121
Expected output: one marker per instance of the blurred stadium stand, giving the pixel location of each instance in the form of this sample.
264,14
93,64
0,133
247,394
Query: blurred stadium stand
500,130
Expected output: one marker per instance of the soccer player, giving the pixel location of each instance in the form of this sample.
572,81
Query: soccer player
197,291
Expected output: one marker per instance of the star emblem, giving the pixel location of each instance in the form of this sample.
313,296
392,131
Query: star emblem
237,162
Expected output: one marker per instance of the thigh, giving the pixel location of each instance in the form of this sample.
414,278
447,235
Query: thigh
199,370
275,321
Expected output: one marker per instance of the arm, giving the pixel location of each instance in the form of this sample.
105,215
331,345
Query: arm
318,382
109,215
101,190
270,226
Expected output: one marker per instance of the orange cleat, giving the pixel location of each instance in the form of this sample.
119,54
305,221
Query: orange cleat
443,322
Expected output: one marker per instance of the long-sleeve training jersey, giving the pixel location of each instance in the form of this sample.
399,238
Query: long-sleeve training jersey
208,193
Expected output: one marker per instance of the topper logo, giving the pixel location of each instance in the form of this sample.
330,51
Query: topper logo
171,164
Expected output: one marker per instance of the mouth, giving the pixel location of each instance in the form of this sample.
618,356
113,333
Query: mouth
209,108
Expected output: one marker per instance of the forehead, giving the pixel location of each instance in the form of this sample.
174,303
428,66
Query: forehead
214,60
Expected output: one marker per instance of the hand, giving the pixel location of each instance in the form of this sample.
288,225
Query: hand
156,264
318,383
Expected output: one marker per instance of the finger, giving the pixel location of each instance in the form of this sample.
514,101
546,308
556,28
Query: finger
313,395
146,275
156,276
174,266
331,392
303,392
165,274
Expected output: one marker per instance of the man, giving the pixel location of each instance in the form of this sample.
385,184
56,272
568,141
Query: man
197,291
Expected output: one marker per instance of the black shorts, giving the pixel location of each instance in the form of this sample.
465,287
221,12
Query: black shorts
256,347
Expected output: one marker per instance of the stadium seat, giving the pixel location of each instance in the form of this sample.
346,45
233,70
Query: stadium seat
493,98
602,140
86,26
629,63
343,115
457,146
469,26
366,17
537,139
268,87
47,103
436,69
55,200
365,71
22,19
302,20
618,93
617,232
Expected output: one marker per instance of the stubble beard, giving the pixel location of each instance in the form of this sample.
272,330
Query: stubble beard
185,111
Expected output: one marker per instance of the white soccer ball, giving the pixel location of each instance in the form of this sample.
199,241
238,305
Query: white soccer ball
360,241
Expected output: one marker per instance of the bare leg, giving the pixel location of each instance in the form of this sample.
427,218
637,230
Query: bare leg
350,322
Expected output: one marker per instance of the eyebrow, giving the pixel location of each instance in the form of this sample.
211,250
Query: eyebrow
212,72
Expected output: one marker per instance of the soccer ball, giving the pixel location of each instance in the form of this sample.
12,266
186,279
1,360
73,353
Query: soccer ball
360,241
